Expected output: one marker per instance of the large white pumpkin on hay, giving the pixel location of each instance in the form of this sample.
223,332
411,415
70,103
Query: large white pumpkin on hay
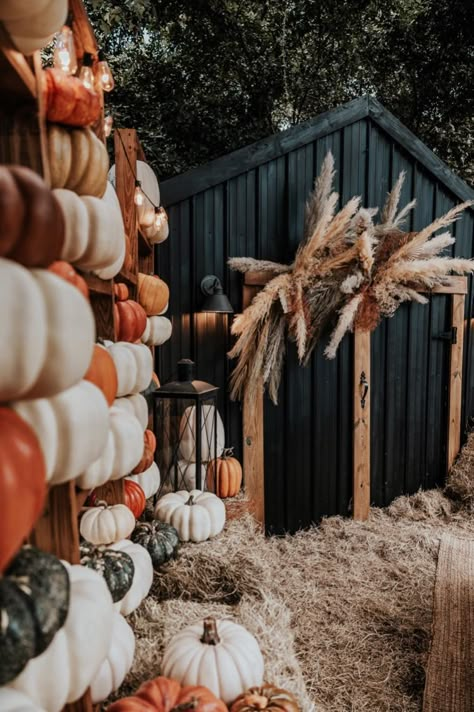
195,515
220,655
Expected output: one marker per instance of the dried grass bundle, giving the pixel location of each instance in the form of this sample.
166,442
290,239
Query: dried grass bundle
345,266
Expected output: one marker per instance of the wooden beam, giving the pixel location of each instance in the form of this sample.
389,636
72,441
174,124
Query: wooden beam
361,441
453,285
253,456
455,380
57,531
125,142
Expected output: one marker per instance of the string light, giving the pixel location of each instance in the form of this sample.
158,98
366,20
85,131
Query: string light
139,198
104,73
160,217
65,51
86,75
108,123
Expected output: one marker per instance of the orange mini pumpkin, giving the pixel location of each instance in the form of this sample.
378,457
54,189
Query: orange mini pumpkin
68,101
22,482
103,373
134,497
224,475
165,695
66,271
121,292
266,697
130,320
153,293
148,453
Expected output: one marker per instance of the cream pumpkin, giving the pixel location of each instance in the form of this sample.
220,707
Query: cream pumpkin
149,480
134,364
78,160
135,405
88,627
72,428
118,662
158,330
53,349
153,293
221,655
32,27
117,228
105,525
142,578
196,515
76,224
187,433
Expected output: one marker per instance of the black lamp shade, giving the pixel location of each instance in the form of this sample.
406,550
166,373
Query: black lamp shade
216,301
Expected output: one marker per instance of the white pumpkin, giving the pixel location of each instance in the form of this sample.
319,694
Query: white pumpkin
14,701
128,441
135,405
88,627
49,328
118,662
33,27
187,430
149,480
105,244
187,475
158,330
72,428
134,364
106,524
100,471
196,515
142,579
220,655
76,225
117,229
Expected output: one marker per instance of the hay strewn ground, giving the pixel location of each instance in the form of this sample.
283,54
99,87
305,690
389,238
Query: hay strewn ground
345,607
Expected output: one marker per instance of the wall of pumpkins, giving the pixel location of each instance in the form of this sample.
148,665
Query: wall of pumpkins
82,312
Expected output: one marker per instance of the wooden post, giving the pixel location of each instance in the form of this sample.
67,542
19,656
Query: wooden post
361,442
57,532
455,379
254,470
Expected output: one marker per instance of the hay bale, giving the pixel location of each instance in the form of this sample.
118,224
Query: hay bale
460,484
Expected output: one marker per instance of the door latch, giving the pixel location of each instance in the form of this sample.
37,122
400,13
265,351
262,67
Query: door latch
451,335
364,389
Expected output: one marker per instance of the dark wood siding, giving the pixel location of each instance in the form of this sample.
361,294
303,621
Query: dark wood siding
259,212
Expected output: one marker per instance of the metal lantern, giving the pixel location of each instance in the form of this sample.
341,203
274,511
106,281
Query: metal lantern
189,430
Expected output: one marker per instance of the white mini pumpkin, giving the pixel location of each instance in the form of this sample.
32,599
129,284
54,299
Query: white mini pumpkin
149,480
142,578
135,405
87,628
221,655
134,364
196,515
72,428
187,430
118,662
106,524
158,330
53,348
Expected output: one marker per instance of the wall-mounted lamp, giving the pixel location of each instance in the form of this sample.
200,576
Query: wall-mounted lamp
216,300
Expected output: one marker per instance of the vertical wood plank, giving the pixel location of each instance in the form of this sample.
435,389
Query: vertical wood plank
125,142
57,531
111,492
455,380
361,483
253,449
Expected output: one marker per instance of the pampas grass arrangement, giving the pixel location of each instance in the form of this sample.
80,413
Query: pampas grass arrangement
346,266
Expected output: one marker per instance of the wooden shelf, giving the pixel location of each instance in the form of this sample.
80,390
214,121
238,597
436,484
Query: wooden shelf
127,276
97,285
145,247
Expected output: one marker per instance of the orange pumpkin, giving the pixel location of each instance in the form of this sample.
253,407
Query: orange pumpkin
31,221
130,320
224,475
67,272
266,697
121,292
22,482
134,497
102,373
68,101
165,695
148,453
153,293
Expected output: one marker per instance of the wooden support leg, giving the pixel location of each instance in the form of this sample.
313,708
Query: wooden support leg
455,380
361,442
254,455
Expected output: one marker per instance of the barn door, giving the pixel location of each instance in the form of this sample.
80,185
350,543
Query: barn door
407,399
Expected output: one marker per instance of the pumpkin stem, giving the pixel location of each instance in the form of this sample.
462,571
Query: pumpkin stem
101,503
257,702
228,452
184,706
210,635
190,500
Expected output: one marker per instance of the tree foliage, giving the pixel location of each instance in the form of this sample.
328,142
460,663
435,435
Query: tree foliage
200,78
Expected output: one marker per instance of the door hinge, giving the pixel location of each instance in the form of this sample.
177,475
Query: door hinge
451,335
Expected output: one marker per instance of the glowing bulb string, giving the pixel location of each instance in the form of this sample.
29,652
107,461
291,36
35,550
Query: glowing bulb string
137,181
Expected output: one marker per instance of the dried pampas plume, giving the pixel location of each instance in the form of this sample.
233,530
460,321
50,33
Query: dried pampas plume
346,270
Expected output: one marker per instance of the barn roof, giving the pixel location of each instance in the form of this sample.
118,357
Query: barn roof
233,164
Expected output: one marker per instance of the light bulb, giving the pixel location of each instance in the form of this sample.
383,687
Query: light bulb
108,123
105,76
139,197
86,76
65,51
160,217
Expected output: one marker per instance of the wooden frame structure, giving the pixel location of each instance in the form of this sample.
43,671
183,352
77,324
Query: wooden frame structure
253,413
